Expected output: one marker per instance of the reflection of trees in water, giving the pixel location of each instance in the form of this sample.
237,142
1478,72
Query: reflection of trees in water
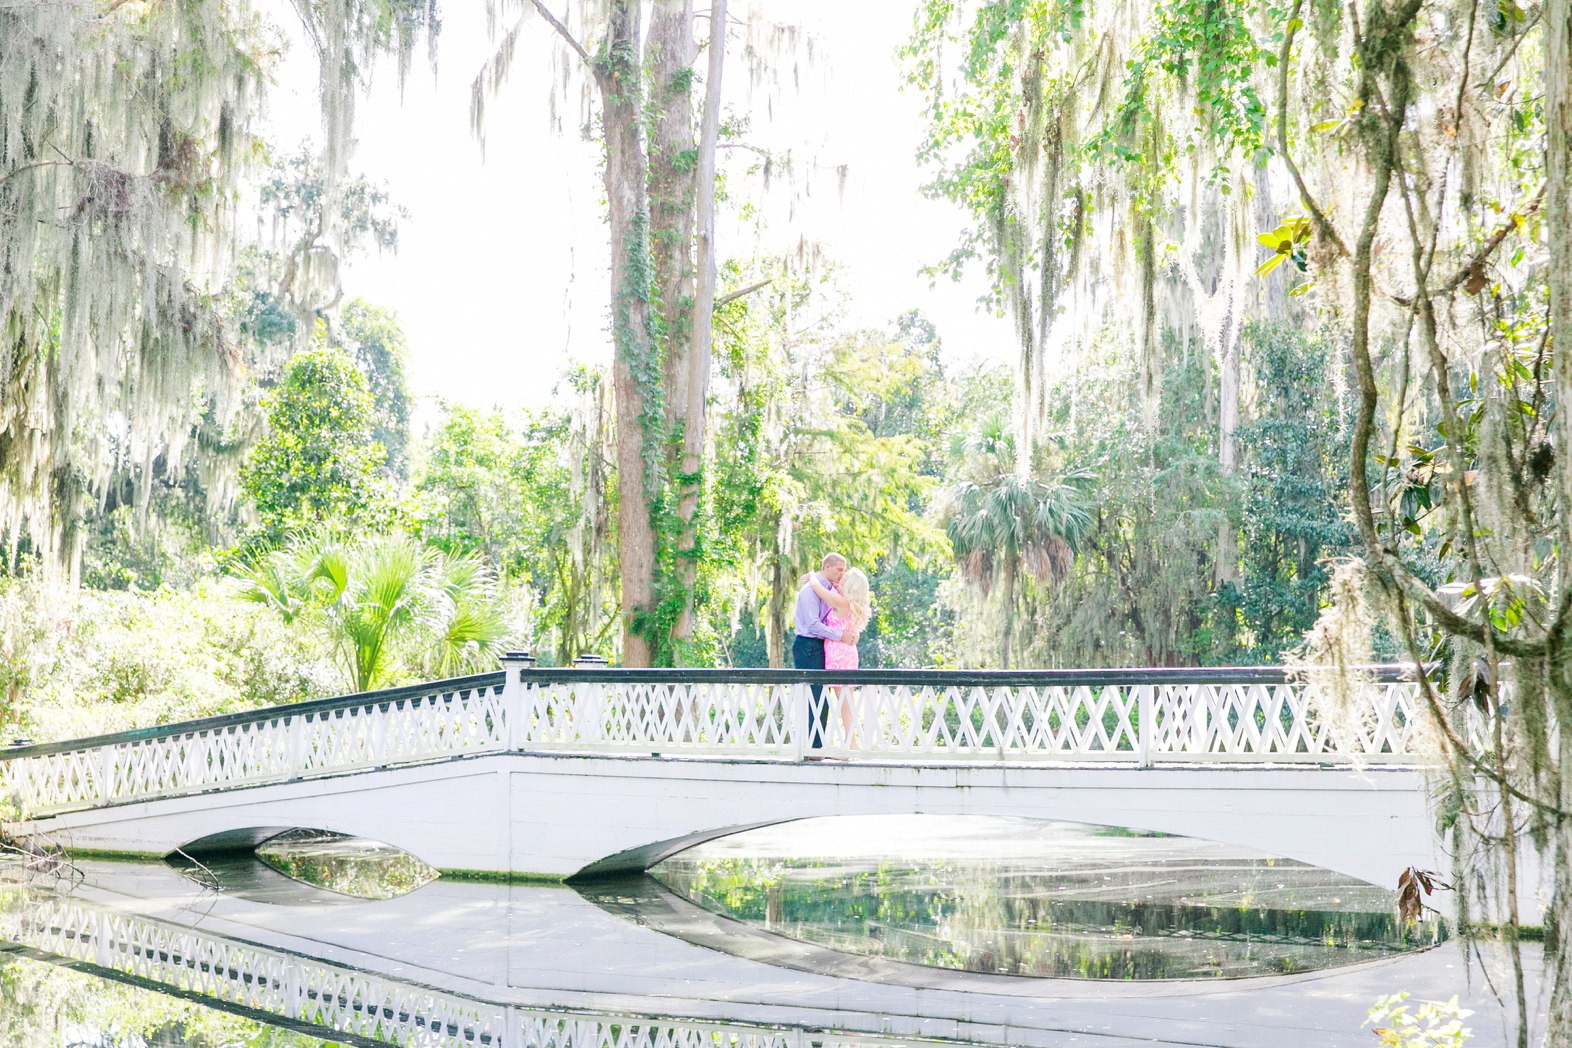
349,865
1161,920
43,1004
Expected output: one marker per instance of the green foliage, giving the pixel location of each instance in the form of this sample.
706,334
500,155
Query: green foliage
1207,54
263,319
1287,241
39,1001
1436,1024
1295,457
376,341
1140,593
1004,525
80,663
1146,589
1010,523
533,504
163,543
127,132
390,607
473,484
973,138
826,442
296,191
319,461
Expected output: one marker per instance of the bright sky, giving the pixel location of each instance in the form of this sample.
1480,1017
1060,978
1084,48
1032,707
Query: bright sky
500,277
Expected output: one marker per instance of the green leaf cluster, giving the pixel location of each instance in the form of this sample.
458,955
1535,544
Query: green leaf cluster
537,503
319,461
391,607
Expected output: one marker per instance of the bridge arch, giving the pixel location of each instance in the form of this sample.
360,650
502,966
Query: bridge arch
560,815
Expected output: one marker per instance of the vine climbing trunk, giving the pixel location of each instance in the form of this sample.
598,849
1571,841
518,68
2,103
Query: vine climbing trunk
636,373
1558,219
682,199
700,348
661,206
670,53
775,623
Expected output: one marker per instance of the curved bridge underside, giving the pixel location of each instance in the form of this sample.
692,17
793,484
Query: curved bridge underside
556,816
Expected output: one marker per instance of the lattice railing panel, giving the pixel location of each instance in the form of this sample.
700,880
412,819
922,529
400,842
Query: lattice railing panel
1014,722
697,717
276,747
1278,722
1144,721
351,1001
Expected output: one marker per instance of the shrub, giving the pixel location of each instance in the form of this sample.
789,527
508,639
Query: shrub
85,663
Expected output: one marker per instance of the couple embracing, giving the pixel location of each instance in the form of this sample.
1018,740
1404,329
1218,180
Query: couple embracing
833,608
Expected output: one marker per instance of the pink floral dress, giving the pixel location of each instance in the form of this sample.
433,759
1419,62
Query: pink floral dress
838,656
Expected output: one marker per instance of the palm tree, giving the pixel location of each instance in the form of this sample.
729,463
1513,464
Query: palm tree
1007,523
471,624
385,602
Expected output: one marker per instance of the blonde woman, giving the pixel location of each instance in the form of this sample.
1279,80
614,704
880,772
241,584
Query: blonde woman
851,608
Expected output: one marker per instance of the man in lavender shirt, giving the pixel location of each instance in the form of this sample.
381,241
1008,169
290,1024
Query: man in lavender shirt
807,649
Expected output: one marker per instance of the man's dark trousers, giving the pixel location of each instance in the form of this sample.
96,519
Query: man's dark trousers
807,653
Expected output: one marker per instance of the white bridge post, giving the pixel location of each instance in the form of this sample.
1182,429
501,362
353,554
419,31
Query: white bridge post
801,706
101,930
515,711
106,775
1144,711
295,741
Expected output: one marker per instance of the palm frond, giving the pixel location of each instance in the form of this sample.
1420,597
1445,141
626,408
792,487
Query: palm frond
1013,519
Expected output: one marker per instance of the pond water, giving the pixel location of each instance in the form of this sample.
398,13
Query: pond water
349,865
1047,899
826,932
305,867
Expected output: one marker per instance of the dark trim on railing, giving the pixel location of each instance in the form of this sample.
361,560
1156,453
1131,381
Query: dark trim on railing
946,678
264,713
909,678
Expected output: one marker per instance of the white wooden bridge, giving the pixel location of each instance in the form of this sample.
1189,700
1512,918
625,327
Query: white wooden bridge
561,772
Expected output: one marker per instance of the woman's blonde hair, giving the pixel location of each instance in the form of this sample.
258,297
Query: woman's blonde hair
854,584
854,587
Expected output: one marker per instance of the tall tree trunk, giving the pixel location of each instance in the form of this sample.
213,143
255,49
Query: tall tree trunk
1270,287
1558,220
636,373
774,625
699,349
1146,330
1557,22
671,52
1009,611
1227,443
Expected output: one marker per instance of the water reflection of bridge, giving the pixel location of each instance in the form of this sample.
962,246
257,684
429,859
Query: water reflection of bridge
557,772
501,965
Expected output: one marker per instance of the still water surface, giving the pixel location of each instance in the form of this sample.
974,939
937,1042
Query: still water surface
1048,899
339,937
351,866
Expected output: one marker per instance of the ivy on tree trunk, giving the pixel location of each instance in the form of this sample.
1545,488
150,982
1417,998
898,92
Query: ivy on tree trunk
660,199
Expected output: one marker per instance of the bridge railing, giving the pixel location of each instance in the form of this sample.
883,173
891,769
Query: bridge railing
324,999
1140,717
275,744
1133,716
